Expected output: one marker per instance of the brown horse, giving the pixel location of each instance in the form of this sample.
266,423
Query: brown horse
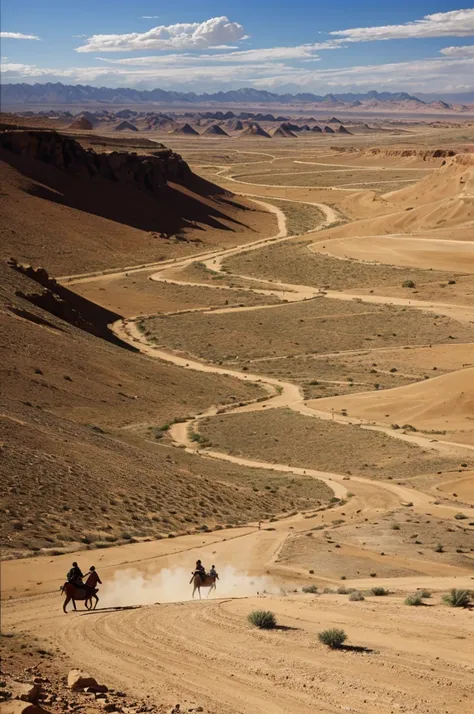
209,581
73,592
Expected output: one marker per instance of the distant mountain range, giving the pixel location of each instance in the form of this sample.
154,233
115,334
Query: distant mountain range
58,93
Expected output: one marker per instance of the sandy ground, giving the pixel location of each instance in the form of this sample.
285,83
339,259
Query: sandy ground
397,658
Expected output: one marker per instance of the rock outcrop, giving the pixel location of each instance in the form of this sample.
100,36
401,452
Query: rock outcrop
186,129
126,126
283,133
63,152
255,129
215,130
82,123
79,681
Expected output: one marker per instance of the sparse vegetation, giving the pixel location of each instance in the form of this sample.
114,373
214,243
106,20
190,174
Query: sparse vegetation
310,589
334,637
379,592
408,284
264,619
414,600
356,596
458,598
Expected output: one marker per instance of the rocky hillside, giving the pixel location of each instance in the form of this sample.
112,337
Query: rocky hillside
63,152
91,202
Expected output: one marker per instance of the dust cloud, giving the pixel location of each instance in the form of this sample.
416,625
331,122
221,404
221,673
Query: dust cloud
130,587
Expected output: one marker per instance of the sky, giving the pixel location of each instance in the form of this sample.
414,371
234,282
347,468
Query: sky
279,45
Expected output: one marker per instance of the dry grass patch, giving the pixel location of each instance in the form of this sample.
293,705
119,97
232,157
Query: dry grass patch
199,273
325,177
135,295
292,262
286,437
300,217
316,326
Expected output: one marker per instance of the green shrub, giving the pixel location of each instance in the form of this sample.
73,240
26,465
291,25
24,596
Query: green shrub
439,548
333,637
356,596
262,618
414,600
379,591
310,589
342,590
395,526
457,598
408,284
460,516
425,594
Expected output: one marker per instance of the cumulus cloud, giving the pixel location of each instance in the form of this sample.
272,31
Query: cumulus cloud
215,32
456,23
17,36
466,51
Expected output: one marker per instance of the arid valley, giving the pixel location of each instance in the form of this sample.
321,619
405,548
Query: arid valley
251,345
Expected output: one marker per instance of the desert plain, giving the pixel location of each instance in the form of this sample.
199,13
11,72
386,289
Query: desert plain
266,362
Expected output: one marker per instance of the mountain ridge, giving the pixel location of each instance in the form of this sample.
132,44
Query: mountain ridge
67,94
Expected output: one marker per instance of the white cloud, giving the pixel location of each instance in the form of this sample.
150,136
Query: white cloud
441,74
466,51
148,17
184,36
271,54
17,36
457,23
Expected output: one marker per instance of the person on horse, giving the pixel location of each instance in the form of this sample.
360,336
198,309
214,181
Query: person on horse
213,572
93,579
75,576
200,570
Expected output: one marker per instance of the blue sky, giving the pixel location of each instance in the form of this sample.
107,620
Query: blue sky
280,45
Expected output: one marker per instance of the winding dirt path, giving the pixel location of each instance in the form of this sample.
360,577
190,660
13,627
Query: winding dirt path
204,654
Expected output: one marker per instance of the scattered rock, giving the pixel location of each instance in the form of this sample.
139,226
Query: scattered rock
77,681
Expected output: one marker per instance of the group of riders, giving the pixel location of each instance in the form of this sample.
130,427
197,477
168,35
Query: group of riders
76,577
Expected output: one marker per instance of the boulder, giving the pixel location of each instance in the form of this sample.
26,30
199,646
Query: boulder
78,681
25,692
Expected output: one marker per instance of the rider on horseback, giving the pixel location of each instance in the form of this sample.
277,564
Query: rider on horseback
75,576
200,570
93,580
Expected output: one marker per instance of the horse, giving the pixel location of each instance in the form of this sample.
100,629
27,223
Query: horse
74,592
209,581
